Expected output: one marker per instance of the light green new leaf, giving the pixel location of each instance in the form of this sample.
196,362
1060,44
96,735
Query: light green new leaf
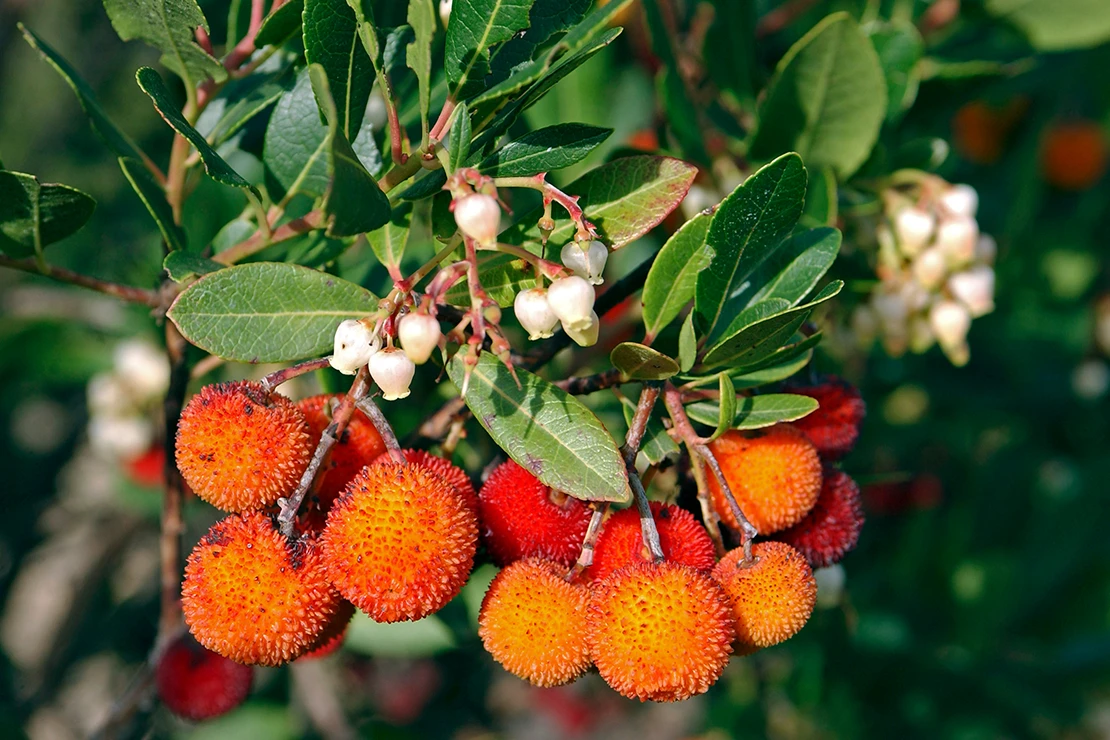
673,276
687,344
827,100
1057,25
726,414
460,138
34,214
154,199
476,26
169,26
418,54
267,311
547,431
388,242
331,39
642,363
755,412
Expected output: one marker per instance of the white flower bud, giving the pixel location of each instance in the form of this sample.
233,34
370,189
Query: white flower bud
950,322
986,249
890,309
960,200
377,114
572,300
107,394
445,11
913,226
142,368
120,436
586,261
957,238
534,313
419,334
354,344
479,217
920,334
584,335
975,289
392,370
930,268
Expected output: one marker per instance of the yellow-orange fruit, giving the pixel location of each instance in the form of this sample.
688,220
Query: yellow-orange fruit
253,596
775,477
772,596
533,622
454,475
240,448
400,541
660,632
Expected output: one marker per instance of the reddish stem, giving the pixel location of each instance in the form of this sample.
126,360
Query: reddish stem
276,378
444,116
123,292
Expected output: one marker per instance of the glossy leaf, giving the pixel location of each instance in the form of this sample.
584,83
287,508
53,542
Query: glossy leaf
547,431
657,446
388,242
460,138
331,39
642,363
34,215
219,170
545,19
267,311
779,365
1057,25
900,48
418,54
281,24
748,223
241,100
475,27
755,412
827,100
726,413
794,268
184,267
544,150
673,276
154,199
687,344
169,26
354,203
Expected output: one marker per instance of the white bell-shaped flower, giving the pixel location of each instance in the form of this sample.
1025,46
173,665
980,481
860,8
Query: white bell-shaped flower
534,313
960,200
445,11
913,227
572,300
419,334
586,261
479,217
584,335
392,370
957,238
354,344
929,268
975,289
950,321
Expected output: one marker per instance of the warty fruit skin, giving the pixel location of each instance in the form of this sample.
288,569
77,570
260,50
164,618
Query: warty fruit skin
197,684
831,529
683,538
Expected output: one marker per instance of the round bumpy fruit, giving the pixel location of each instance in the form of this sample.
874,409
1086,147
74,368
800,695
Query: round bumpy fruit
197,684
332,636
522,517
533,622
356,448
772,596
834,427
453,474
832,527
400,542
253,596
621,543
240,448
660,632
775,477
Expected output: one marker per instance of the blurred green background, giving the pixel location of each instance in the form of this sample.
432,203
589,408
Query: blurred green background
976,606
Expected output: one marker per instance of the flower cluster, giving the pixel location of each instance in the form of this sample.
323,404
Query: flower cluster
121,400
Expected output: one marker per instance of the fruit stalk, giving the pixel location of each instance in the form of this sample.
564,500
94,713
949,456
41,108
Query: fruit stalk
648,396
589,542
367,406
276,378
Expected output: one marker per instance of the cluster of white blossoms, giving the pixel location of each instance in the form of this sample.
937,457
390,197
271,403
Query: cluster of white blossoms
358,345
121,423
568,300
935,271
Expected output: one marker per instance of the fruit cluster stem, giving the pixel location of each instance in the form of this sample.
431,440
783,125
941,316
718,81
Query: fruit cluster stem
373,412
648,396
276,378
589,542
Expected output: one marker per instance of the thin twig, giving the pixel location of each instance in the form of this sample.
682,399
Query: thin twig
373,412
648,395
552,194
173,523
589,542
276,378
259,241
708,513
587,384
62,275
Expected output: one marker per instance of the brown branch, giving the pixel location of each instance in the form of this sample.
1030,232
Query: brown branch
587,384
648,395
589,542
373,412
276,378
62,275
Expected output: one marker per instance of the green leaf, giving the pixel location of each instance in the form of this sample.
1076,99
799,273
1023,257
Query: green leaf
544,150
420,639
219,170
34,215
183,267
169,26
281,24
545,19
726,414
731,45
502,276
827,100
751,220
331,39
821,199
547,431
753,337
113,136
624,199
267,311
900,48
657,445
687,344
476,26
460,138
591,27
154,199
388,242
418,54
673,276
240,101
354,203
1057,25
640,362
795,266
755,412
780,364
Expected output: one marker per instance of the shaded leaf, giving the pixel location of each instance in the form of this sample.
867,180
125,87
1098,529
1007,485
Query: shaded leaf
673,276
281,24
475,27
900,48
755,412
34,215
388,242
821,199
154,199
460,138
544,150
657,445
502,276
681,113
731,45
169,26
687,344
267,311
183,267
547,431
640,362
1057,25
331,39
726,414
418,54
241,100
794,268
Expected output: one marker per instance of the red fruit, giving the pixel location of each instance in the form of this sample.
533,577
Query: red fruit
834,426
621,543
832,527
148,469
196,683
333,634
1074,154
521,517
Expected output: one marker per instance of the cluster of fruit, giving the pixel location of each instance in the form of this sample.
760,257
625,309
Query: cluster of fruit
395,534
935,270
